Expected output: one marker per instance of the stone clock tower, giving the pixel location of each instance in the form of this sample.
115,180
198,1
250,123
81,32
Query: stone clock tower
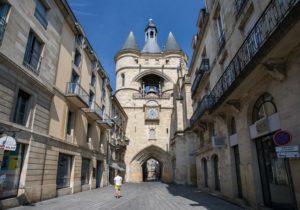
145,80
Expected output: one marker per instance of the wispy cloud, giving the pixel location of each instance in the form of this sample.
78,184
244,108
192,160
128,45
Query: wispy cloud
85,13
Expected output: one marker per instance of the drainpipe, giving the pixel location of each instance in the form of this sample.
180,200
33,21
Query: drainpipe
43,171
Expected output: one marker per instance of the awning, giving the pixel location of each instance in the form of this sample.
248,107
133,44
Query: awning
117,166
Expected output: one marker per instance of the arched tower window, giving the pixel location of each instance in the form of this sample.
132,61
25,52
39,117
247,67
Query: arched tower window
152,84
123,79
152,134
264,106
151,34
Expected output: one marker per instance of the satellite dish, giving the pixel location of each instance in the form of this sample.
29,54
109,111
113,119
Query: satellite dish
8,143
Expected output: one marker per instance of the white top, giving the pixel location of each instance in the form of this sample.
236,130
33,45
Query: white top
118,180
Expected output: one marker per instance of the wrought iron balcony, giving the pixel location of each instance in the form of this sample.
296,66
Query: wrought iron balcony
221,41
151,96
240,5
106,122
2,28
242,63
32,60
204,105
77,95
94,111
204,68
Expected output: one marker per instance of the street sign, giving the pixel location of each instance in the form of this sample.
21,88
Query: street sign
287,149
282,138
288,154
8,143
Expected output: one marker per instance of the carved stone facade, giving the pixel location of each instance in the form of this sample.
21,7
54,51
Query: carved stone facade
145,82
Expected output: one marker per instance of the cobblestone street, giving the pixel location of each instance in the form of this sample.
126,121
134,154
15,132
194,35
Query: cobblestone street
143,196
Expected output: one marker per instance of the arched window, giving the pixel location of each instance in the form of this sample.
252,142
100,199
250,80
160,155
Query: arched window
151,34
123,79
152,134
264,106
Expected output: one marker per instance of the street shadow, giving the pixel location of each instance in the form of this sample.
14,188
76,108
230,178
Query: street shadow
199,198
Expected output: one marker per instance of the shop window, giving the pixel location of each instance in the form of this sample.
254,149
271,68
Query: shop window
64,168
263,107
85,171
10,172
22,108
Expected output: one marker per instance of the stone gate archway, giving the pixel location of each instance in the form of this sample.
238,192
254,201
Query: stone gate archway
136,169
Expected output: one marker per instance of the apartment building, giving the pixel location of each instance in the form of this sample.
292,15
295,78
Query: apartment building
118,141
55,101
245,87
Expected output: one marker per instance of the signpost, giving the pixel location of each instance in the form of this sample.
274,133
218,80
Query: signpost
287,152
8,143
282,138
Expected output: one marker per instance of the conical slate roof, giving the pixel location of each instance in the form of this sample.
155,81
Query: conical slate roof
151,46
130,43
171,44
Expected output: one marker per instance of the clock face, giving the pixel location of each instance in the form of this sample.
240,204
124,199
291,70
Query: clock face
152,113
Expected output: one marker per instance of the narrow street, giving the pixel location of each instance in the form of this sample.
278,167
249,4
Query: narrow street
145,196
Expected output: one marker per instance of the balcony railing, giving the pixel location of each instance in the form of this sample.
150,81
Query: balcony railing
204,67
106,122
203,106
74,89
2,28
94,110
151,96
240,5
240,65
32,60
221,41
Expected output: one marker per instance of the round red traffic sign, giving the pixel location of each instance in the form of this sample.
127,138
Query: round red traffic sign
282,138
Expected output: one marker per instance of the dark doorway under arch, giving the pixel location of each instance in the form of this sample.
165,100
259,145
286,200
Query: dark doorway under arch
151,170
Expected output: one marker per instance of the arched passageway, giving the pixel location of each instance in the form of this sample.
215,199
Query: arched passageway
151,170
151,164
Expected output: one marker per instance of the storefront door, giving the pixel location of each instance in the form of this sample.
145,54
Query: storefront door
10,172
98,173
275,176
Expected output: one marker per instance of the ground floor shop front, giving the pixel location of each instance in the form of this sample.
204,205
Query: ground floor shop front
42,168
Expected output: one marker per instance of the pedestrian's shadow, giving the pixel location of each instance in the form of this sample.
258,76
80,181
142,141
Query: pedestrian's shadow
201,199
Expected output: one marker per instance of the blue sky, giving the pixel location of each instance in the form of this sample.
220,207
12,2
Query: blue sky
107,24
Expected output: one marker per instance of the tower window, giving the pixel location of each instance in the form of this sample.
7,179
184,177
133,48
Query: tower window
152,134
151,34
123,79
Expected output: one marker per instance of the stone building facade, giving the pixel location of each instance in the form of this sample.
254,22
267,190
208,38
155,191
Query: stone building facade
245,86
145,82
55,100
118,141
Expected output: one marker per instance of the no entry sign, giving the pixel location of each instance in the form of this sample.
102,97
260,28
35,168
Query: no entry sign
282,138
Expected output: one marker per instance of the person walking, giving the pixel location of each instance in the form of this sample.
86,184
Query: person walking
118,183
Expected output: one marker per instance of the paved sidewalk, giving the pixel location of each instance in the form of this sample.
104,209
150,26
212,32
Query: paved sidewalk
144,196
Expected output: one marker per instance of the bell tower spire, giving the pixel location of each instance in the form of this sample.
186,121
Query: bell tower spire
150,31
151,45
